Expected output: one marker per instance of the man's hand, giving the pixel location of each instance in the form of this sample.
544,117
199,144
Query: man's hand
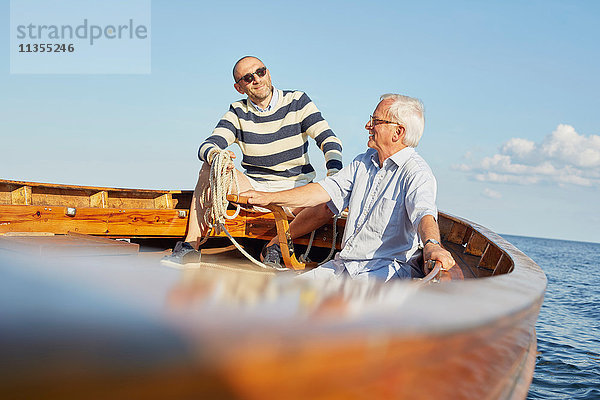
213,154
258,198
428,229
231,165
438,253
303,196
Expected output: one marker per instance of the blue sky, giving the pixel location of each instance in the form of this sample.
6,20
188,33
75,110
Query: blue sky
510,90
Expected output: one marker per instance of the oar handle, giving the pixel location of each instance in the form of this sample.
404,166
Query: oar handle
436,268
234,198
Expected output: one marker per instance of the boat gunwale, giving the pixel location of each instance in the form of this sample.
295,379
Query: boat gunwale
92,188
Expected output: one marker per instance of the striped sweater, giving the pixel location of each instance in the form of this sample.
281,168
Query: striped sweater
275,143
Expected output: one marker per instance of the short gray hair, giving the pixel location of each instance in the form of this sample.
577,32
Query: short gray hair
410,113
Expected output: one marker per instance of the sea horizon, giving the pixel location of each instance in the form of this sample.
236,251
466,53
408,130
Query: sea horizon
547,238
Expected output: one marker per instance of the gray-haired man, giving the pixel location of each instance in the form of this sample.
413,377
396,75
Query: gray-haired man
390,191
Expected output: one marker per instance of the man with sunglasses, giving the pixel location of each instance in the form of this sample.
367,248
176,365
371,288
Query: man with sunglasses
272,127
390,192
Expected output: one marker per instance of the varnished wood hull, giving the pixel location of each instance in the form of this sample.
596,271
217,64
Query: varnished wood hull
219,333
119,213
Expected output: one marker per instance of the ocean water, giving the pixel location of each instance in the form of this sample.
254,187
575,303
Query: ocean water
568,328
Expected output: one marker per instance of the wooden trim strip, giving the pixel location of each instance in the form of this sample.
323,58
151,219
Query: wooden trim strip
39,185
93,221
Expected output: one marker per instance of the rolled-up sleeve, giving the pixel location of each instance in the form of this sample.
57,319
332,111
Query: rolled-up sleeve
420,198
339,187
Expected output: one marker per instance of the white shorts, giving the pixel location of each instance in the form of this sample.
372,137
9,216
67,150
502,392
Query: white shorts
276,186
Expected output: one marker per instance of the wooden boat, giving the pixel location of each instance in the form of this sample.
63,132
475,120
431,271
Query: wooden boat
144,216
99,317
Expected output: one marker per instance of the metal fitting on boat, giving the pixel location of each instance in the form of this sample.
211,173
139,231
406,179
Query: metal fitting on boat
182,213
71,211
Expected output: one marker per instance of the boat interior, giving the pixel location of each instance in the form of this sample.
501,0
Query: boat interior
149,222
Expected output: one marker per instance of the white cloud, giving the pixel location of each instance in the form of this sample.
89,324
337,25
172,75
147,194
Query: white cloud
564,157
518,148
492,194
567,146
462,167
506,178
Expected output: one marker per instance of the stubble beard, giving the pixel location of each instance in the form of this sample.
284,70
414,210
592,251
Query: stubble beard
264,93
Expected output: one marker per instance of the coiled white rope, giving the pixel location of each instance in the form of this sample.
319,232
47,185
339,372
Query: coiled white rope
223,181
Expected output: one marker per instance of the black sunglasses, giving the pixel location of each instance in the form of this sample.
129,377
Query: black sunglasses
249,78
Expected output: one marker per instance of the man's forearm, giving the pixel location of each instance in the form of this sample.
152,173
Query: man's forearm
428,229
304,196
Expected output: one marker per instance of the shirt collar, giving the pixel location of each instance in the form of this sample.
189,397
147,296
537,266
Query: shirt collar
398,157
272,103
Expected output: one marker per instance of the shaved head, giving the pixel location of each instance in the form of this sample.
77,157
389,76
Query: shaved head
242,61
258,88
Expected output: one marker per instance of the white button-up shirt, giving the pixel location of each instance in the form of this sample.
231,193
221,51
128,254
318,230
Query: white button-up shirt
385,208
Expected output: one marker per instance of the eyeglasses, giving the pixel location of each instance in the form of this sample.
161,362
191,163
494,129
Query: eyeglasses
249,78
376,121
